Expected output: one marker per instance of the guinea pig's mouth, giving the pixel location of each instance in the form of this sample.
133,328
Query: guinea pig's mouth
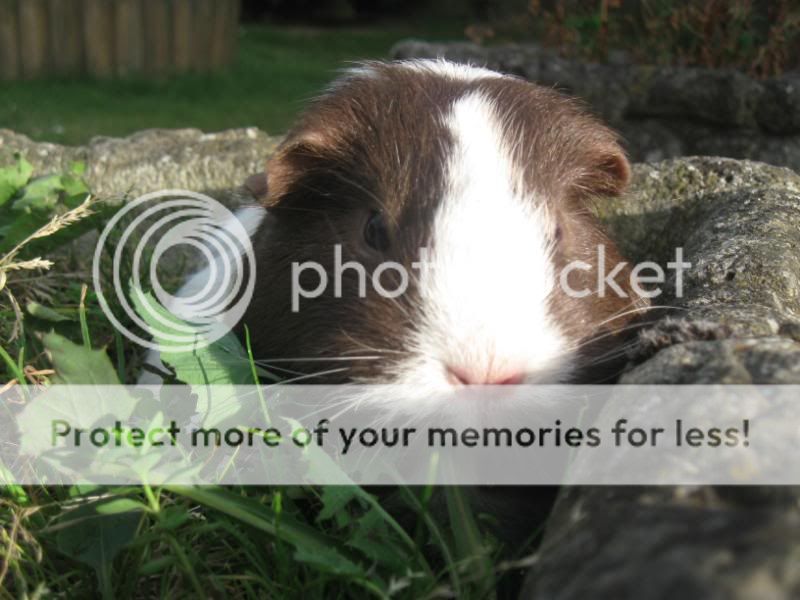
458,376
437,375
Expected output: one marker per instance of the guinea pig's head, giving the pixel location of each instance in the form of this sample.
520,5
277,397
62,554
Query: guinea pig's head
456,198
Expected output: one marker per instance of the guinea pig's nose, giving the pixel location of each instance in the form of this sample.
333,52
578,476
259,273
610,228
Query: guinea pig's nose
460,376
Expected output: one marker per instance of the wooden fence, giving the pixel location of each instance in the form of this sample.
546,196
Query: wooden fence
106,38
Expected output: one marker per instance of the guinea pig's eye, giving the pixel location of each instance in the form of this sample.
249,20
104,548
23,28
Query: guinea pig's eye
376,235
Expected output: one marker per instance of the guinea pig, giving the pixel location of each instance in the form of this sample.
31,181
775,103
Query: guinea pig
488,176
468,191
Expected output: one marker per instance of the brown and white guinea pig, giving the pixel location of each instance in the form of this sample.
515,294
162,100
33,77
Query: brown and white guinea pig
495,177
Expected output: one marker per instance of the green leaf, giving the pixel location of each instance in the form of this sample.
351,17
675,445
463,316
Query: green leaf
120,505
335,498
173,517
46,314
372,538
40,194
95,533
469,543
79,365
75,189
80,406
328,560
223,362
42,246
21,227
14,178
78,168
310,545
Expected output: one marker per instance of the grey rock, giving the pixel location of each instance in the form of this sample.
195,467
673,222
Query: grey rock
779,109
739,323
662,112
745,361
715,96
152,160
650,140
663,543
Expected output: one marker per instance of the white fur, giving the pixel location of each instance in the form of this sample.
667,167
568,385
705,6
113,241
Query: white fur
485,289
434,66
445,68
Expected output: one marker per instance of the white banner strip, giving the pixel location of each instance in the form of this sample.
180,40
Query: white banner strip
386,435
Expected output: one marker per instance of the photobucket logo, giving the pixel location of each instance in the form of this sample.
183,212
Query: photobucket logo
645,279
339,267
137,239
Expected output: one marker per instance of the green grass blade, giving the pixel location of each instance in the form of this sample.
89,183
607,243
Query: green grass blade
472,553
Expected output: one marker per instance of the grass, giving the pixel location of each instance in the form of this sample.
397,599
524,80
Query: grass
277,69
238,542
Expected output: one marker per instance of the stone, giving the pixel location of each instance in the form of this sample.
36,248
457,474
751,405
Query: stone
738,323
152,160
724,97
779,109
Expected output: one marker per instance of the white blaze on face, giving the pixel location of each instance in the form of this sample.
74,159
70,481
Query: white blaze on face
484,291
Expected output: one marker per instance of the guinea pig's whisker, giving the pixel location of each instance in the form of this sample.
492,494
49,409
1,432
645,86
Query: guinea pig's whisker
595,338
369,348
637,310
314,359
611,354
271,367
375,350
587,342
312,375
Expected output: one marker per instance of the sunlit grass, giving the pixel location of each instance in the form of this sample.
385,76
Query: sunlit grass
276,70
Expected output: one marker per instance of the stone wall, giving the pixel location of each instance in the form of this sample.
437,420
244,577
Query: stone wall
661,112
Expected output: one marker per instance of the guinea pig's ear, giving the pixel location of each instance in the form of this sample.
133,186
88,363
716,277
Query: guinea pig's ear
609,172
294,158
257,186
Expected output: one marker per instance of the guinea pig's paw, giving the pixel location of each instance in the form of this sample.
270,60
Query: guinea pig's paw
671,331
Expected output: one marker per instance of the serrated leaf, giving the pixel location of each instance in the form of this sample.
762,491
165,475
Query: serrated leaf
77,404
95,538
78,365
223,362
14,178
334,499
372,538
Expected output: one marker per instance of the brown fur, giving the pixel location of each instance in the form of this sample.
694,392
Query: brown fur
378,143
